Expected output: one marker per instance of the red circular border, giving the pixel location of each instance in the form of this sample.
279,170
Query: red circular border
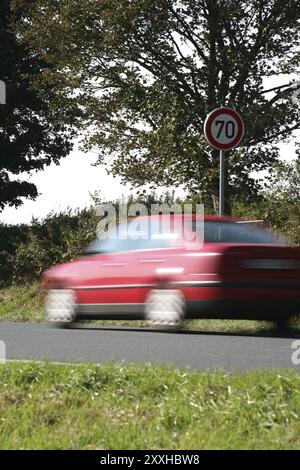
208,123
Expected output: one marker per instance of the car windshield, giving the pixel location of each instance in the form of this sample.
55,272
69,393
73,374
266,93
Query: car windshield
233,232
134,235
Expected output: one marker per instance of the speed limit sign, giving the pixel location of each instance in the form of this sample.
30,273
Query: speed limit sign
224,128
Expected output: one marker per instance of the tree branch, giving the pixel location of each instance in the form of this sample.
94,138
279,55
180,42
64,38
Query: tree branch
276,88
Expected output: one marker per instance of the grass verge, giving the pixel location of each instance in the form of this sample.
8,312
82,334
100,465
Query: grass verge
25,303
21,303
47,406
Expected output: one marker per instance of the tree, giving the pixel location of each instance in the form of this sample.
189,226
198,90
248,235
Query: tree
285,183
147,72
280,204
31,132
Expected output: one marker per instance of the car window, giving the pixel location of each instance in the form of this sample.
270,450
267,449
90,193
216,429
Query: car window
135,235
232,232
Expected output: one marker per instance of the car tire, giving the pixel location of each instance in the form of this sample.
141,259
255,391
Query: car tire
60,307
165,307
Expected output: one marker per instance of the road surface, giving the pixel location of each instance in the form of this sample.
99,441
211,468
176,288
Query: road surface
203,351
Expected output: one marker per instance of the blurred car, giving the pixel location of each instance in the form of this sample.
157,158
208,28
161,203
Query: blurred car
236,270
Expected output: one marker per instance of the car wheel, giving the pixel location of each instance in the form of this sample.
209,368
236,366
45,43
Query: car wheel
165,307
60,307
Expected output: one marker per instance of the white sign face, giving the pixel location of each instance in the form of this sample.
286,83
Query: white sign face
224,128
2,92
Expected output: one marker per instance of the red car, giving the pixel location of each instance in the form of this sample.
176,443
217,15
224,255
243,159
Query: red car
240,270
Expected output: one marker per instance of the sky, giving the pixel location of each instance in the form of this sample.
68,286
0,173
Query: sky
70,183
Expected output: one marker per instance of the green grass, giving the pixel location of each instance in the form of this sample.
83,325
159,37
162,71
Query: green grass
21,303
25,303
45,406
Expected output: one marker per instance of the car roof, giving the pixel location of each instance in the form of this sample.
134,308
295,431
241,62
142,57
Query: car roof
207,217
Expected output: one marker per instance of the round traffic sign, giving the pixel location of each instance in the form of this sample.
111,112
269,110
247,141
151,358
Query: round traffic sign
224,128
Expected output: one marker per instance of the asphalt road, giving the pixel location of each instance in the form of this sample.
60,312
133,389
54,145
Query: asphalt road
202,351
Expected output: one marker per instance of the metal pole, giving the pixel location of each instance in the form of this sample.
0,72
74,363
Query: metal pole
2,92
222,183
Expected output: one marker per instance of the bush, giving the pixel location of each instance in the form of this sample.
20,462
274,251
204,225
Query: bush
282,216
28,250
11,237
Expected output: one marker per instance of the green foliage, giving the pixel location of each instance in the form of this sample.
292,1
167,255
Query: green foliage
147,72
32,135
282,216
280,206
11,236
22,302
55,239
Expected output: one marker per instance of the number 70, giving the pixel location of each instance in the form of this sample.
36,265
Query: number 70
227,126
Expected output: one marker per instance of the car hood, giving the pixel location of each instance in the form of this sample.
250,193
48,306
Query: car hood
71,273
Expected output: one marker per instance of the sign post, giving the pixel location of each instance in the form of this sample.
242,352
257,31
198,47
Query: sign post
223,129
2,92
222,184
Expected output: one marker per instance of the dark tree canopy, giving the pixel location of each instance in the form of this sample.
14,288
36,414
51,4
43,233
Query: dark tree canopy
146,73
31,133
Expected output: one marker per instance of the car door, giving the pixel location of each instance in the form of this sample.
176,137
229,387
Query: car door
121,277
